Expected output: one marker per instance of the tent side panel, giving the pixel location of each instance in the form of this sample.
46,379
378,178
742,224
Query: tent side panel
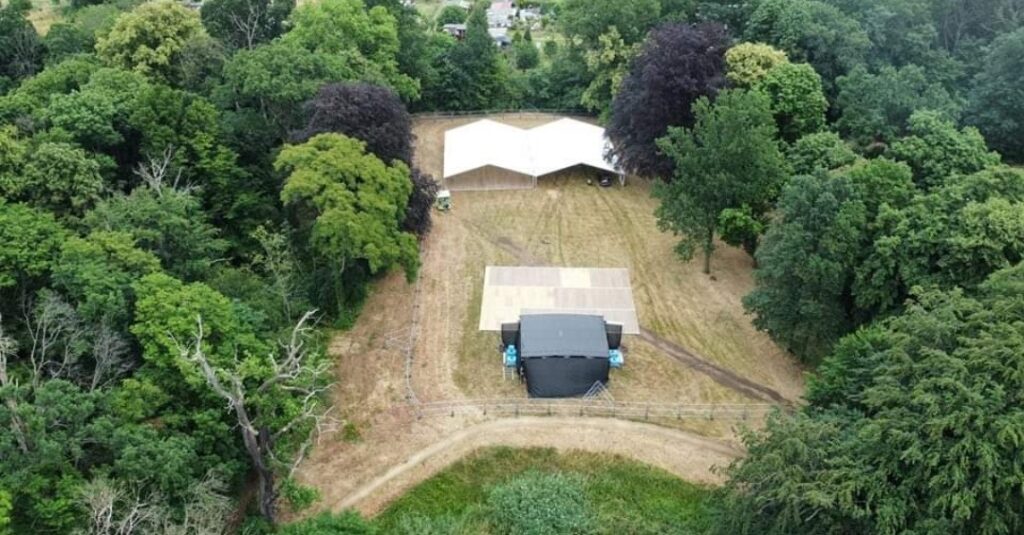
559,377
488,178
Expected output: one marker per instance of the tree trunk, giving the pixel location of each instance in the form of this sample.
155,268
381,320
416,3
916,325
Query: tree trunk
267,496
257,445
708,245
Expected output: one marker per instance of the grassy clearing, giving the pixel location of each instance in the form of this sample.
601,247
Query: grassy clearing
565,222
625,496
44,14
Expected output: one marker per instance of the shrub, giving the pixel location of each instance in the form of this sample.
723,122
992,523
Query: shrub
540,504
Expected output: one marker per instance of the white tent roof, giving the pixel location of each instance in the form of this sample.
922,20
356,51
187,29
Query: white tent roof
538,151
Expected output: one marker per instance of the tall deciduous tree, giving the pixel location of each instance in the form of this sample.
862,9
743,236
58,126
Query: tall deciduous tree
813,32
586,21
275,400
150,38
797,100
875,107
996,103
276,78
350,205
21,52
679,63
472,75
808,261
936,150
729,159
246,23
370,113
59,177
748,63
367,40
821,150
167,222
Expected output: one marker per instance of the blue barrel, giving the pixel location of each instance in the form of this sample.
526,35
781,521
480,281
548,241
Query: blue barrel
511,357
616,359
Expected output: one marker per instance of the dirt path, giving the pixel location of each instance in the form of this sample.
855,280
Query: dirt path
686,455
714,371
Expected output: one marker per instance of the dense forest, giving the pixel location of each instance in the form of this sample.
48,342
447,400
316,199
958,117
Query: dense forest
190,196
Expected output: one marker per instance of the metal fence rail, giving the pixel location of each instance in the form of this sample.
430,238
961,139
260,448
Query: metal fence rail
595,407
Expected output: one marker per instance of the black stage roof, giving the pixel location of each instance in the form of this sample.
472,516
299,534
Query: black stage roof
562,335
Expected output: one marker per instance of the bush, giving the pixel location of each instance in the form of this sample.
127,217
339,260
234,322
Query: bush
539,504
347,523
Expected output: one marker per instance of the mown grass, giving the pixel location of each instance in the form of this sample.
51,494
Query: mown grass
625,496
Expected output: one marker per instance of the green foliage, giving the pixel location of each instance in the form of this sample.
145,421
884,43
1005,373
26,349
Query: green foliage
245,24
608,63
166,312
540,504
996,105
166,222
58,177
750,62
876,107
299,496
21,51
729,159
738,227
5,512
26,103
621,496
451,14
821,150
797,100
97,272
805,265
953,236
588,20
934,444
32,240
936,150
96,116
813,32
150,39
276,78
351,203
471,74
365,40
526,54
347,523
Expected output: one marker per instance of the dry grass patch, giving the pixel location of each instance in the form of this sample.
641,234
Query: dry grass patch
565,222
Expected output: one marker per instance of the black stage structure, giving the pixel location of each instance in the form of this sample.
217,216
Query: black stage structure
562,355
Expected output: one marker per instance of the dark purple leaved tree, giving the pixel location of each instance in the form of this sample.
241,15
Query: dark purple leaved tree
678,64
371,113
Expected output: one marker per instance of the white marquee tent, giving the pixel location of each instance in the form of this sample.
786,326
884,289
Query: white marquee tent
491,155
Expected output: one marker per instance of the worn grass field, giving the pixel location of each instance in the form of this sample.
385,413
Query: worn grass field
626,496
566,222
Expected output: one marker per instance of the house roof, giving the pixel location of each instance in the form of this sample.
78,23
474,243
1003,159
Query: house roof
537,151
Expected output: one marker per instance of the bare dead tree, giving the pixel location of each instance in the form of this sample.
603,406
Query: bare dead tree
110,356
249,24
206,511
118,509
57,337
8,350
294,371
158,173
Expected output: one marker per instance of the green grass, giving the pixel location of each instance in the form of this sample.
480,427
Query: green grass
626,496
